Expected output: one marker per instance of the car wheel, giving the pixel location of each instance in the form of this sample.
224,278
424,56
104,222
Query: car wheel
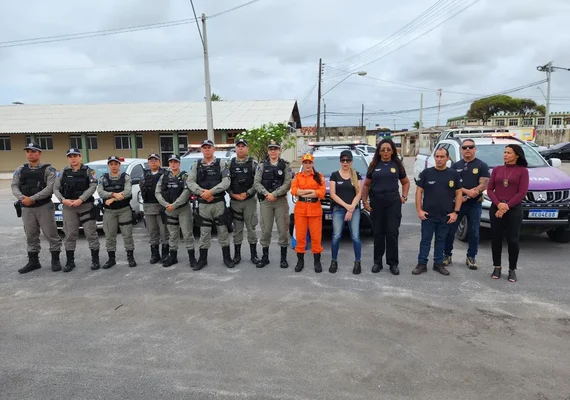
559,235
461,232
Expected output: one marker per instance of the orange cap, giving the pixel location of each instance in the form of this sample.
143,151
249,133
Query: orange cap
308,157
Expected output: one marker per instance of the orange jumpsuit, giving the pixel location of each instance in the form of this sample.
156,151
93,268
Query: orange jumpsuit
308,215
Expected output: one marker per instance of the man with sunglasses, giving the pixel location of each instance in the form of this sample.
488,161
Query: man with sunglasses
475,176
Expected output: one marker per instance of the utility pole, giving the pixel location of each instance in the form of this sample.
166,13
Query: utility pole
394,121
319,99
325,120
209,113
549,69
438,105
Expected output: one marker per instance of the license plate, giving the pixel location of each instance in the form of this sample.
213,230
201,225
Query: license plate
328,216
59,218
543,214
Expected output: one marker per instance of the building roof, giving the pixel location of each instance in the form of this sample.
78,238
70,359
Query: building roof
140,117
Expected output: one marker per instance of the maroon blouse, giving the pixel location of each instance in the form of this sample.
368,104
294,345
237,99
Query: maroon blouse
516,178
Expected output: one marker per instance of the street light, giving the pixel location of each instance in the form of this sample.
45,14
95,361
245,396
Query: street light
359,73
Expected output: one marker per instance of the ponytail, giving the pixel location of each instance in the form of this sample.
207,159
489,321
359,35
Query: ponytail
354,180
316,176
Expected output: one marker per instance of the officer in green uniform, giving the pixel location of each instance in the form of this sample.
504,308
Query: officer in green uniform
74,187
172,193
209,179
116,191
32,185
153,210
243,202
272,182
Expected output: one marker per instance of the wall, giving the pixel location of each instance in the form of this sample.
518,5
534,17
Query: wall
553,136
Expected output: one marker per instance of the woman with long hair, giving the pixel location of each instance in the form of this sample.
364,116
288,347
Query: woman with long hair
345,188
506,189
385,202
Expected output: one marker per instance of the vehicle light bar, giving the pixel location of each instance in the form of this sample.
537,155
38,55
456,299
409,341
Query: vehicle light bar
339,143
218,146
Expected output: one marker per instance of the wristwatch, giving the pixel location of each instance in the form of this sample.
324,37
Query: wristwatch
405,197
456,212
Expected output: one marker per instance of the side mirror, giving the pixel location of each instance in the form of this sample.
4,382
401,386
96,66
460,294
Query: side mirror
448,163
135,181
555,162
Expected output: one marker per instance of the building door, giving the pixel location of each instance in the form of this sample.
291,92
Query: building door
167,147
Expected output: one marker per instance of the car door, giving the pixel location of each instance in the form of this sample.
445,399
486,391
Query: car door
136,174
565,154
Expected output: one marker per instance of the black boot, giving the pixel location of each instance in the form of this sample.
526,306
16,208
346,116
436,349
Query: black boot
154,254
131,258
70,263
253,252
300,262
333,267
172,259
357,268
283,263
237,254
111,260
318,265
202,261
33,263
165,252
95,259
55,264
192,258
264,258
228,262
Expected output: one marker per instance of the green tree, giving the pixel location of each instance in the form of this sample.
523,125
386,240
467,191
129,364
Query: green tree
417,125
215,97
484,109
258,139
526,107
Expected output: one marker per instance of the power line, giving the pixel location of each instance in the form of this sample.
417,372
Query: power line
232,9
197,24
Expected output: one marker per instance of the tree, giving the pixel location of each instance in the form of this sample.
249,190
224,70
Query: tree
258,139
526,107
215,97
484,109
417,125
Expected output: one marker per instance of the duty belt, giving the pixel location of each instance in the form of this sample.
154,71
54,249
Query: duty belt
308,200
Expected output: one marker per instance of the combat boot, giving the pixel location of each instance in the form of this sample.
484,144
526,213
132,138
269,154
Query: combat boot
111,261
192,258
283,263
318,265
55,264
172,259
131,258
95,259
237,254
264,259
300,262
154,254
70,263
33,263
202,261
165,252
253,252
228,262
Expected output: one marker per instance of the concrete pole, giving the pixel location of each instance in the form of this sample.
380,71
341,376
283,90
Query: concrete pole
548,80
209,113
319,99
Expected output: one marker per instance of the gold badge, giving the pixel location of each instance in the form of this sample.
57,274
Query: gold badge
475,170
451,183
393,170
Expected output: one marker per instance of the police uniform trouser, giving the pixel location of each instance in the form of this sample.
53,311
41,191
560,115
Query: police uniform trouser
156,228
177,220
36,218
386,218
73,218
112,221
245,213
277,211
212,212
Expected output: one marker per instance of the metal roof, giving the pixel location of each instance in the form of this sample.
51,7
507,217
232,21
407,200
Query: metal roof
141,117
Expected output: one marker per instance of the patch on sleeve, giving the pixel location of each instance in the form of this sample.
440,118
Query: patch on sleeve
225,173
52,169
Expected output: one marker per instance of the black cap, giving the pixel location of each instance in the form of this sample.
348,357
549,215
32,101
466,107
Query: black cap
273,143
242,141
73,151
33,146
153,155
175,157
113,158
346,153
207,142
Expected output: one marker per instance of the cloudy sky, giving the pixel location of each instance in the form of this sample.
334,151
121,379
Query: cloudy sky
270,50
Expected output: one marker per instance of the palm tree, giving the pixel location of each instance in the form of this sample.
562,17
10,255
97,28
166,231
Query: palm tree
417,125
215,97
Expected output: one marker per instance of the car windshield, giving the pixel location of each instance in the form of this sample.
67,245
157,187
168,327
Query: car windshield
328,165
492,154
187,162
101,169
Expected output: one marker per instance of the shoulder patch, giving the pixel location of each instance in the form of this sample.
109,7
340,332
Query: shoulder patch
52,169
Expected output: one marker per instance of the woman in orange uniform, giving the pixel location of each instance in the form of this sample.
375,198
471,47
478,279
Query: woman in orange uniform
309,187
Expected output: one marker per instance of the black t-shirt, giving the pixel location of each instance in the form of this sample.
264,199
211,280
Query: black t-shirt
344,188
439,190
470,173
385,177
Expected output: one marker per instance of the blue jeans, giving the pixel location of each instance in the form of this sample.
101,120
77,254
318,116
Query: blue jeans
353,226
431,226
473,213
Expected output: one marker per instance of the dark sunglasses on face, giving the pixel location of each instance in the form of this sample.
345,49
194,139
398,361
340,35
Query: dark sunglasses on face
467,147
385,150
345,160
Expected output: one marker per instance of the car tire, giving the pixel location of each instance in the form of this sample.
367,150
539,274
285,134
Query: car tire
462,230
559,235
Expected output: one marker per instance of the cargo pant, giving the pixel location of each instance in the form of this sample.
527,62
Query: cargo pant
73,218
212,213
112,221
245,213
181,219
36,218
277,211
156,228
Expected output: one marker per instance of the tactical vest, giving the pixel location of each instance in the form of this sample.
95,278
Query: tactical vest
74,183
208,176
148,185
33,181
116,186
273,176
172,186
242,175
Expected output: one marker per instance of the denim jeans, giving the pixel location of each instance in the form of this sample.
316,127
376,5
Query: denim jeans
431,226
473,213
353,226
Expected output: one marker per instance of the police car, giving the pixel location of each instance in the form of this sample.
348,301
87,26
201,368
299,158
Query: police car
132,166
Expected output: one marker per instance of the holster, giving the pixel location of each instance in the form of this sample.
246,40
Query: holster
18,207
163,215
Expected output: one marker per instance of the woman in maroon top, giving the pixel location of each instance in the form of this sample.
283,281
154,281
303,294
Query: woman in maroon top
506,189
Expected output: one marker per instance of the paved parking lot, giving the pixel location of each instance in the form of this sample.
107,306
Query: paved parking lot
269,333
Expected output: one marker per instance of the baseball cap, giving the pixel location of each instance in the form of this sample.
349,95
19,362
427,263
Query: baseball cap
273,143
33,146
153,155
208,142
175,157
113,158
308,157
241,141
346,153
73,151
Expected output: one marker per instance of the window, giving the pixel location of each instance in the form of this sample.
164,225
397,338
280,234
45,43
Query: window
500,122
452,153
123,142
5,144
92,143
527,122
45,142
513,122
472,121
137,173
540,121
557,121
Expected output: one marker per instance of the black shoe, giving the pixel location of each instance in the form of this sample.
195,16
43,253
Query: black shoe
357,268
192,258
131,258
55,264
165,252
228,262
253,253
496,273
111,260
394,270
32,265
317,261
154,254
95,259
512,275
300,262
333,267
70,263
283,263
237,254
172,259
264,258
202,261
377,267
420,269
441,269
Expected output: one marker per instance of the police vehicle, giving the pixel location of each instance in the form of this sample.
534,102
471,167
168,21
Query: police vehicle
132,166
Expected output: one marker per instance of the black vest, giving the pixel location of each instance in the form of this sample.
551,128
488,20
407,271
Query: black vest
74,183
33,181
273,176
148,185
116,186
172,186
242,175
208,176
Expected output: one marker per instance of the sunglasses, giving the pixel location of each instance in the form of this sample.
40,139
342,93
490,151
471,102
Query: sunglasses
385,150
467,147
346,160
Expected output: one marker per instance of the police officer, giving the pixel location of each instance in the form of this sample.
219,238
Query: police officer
243,201
209,179
32,185
74,187
172,193
115,191
153,211
272,182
